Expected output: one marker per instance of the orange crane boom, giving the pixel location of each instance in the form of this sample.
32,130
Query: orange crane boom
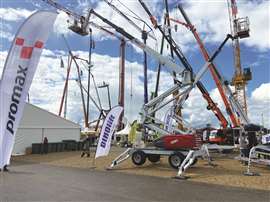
216,76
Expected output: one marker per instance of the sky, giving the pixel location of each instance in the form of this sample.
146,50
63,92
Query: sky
211,20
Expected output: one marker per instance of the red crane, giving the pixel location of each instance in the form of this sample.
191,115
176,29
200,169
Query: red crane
215,74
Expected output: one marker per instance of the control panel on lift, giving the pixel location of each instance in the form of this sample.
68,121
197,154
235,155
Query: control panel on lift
78,28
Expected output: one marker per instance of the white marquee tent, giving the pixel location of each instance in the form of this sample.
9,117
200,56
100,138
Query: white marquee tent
37,123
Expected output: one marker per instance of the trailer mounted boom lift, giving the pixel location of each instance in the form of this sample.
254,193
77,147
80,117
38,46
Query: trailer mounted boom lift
186,81
181,159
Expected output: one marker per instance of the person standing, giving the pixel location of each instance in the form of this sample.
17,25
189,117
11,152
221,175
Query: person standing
5,169
86,146
45,145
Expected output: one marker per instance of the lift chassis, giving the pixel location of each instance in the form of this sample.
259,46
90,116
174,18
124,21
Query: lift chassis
176,158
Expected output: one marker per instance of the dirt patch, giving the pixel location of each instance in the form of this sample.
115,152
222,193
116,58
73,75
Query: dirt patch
229,172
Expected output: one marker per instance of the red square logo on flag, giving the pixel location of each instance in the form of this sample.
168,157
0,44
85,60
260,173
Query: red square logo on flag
39,44
19,41
26,52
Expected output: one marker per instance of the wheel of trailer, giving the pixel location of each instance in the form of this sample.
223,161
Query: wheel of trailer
153,158
176,159
194,162
138,158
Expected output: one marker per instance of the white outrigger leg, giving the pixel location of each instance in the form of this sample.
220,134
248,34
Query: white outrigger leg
251,154
122,157
190,158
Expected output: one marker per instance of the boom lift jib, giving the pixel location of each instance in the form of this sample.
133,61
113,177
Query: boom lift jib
80,26
171,66
144,35
211,104
213,70
182,159
80,23
178,111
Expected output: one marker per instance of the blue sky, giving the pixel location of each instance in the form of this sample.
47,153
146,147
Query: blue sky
213,25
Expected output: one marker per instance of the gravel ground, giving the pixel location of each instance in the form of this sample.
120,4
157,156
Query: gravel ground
229,172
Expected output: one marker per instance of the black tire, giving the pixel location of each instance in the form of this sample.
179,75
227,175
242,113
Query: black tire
138,158
176,159
153,158
194,162
227,151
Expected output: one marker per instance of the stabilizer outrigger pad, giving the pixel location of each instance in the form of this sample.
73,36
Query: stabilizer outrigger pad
251,174
92,167
181,177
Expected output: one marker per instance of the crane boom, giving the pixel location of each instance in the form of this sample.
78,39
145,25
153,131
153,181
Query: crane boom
215,74
127,18
173,67
211,104
105,30
162,59
239,26
62,8
80,22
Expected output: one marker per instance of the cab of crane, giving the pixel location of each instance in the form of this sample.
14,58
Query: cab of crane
242,26
247,74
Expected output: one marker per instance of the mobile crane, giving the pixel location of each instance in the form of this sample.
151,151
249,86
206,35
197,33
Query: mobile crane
182,150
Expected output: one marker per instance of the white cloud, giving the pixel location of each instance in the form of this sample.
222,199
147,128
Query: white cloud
259,105
47,87
262,93
6,35
259,18
14,14
211,19
49,80
61,24
213,25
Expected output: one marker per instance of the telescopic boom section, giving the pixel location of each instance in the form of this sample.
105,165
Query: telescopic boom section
64,9
172,67
215,74
211,104
127,18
